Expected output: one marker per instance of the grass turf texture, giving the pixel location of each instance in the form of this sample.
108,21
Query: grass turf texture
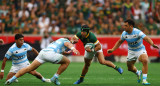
98,75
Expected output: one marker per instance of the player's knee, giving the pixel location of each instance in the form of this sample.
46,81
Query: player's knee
102,62
87,65
67,62
145,61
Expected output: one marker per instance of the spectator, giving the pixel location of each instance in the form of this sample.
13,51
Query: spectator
127,6
23,13
137,13
152,27
46,40
53,29
43,23
144,6
97,14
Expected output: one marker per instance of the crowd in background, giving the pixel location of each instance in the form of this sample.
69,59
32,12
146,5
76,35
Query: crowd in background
66,16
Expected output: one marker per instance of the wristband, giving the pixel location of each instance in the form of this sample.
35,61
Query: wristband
72,48
2,70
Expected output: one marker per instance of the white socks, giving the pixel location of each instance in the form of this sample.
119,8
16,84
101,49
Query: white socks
144,77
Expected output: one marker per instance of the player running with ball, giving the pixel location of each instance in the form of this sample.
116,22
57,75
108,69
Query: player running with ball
88,37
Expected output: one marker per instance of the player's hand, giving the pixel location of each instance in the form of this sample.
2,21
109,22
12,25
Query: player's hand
67,52
155,46
1,75
76,52
88,49
109,51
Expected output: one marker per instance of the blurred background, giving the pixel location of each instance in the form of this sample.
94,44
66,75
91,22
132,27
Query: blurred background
43,21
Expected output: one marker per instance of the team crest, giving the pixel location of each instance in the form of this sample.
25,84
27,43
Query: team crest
126,37
16,51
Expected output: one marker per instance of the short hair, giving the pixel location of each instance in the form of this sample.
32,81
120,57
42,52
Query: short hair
17,36
130,22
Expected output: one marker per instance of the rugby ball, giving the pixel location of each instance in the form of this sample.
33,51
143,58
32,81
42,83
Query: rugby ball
90,45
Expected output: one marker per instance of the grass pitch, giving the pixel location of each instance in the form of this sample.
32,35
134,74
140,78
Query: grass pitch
98,75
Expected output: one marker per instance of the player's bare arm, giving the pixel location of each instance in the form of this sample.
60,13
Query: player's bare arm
2,68
67,52
147,39
70,46
97,46
118,43
35,51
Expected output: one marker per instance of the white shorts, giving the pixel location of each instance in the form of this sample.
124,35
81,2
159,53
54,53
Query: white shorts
134,55
16,68
48,55
90,55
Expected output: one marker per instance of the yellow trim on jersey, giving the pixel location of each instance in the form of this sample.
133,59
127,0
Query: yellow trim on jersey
96,42
87,35
76,37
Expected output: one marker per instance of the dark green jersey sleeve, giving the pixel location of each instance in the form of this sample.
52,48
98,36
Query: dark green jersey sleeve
78,34
93,38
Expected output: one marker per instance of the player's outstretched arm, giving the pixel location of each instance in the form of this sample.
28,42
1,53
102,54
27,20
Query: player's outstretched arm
70,46
35,51
147,39
2,68
118,43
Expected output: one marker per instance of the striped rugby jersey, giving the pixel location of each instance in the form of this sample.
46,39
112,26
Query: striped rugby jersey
58,45
134,39
18,55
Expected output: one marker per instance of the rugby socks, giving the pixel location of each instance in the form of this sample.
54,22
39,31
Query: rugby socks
13,79
55,76
43,79
144,77
137,72
116,68
82,77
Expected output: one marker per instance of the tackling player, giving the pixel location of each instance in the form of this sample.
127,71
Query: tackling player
136,49
53,54
88,37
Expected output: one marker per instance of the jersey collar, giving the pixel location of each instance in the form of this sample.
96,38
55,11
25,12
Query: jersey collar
87,35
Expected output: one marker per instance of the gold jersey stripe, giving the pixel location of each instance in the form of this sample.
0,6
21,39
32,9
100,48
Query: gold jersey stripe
96,42
76,37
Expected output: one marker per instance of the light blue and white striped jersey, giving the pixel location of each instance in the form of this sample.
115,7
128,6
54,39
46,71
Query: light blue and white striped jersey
134,39
58,45
18,55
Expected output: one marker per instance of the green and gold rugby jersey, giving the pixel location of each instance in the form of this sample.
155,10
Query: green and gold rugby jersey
90,38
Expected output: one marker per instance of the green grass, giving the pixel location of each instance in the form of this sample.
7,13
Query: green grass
98,75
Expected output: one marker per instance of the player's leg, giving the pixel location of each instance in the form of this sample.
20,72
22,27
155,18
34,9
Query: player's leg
10,75
132,68
84,70
34,65
64,64
39,76
14,69
88,56
131,59
102,61
144,59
